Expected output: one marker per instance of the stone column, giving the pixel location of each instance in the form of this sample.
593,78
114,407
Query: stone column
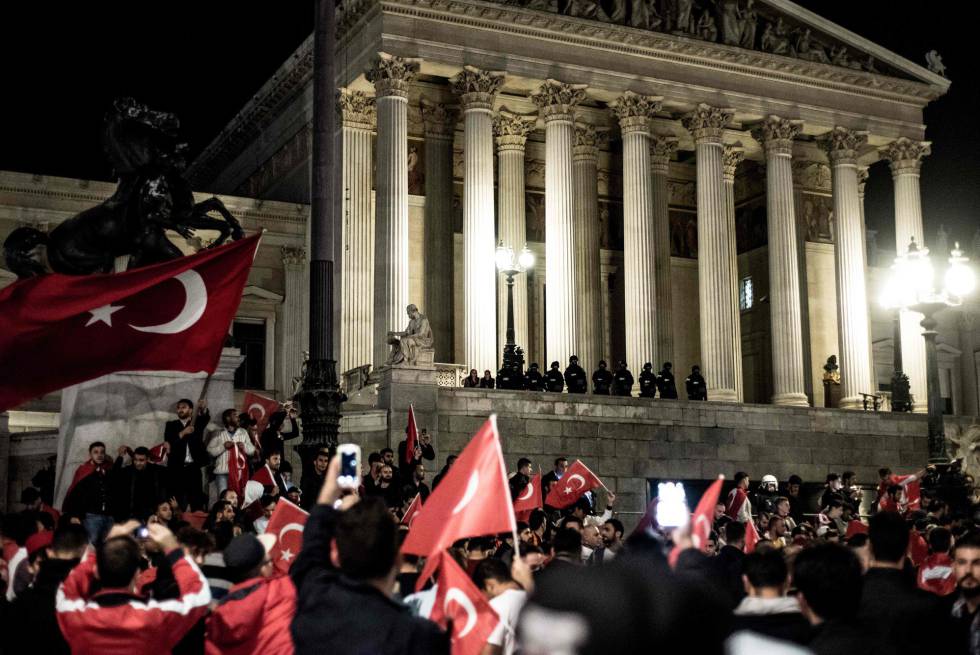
852,293
663,149
715,284
639,244
477,89
294,318
440,128
556,100
357,253
512,131
391,77
788,385
905,157
967,324
585,156
734,155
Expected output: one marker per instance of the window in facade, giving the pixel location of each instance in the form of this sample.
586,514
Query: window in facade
249,336
746,297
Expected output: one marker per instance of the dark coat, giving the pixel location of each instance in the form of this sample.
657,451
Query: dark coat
194,441
33,612
666,384
554,380
648,384
337,614
727,573
575,379
272,440
533,380
788,626
838,637
901,617
622,383
697,388
136,493
601,381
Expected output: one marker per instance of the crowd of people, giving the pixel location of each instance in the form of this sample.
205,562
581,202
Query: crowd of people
604,382
131,561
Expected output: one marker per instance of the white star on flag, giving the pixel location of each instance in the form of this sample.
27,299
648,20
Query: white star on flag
286,555
103,314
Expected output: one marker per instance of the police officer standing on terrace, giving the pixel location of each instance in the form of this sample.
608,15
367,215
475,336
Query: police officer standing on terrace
648,382
665,382
575,376
622,381
554,380
601,379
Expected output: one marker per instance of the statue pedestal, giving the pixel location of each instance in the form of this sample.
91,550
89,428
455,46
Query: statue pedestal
401,386
131,409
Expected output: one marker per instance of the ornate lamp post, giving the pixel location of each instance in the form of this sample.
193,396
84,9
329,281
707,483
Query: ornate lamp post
510,376
912,287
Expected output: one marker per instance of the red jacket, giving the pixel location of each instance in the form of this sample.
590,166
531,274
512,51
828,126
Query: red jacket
253,618
115,621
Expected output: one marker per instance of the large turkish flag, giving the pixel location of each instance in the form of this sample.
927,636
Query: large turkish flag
58,330
286,524
460,602
577,480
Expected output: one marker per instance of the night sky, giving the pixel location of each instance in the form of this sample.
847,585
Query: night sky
65,62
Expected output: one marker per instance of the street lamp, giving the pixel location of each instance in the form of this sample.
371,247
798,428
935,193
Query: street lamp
510,375
912,287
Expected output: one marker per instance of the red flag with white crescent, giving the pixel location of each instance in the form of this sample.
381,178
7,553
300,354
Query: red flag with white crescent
259,408
703,517
577,480
751,536
237,470
57,330
264,476
412,511
529,500
411,436
459,601
286,524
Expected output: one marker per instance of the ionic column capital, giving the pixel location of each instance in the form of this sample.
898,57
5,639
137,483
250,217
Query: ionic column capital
439,119
634,111
905,155
476,88
707,124
556,100
842,144
513,129
392,75
662,149
734,155
293,256
356,109
588,140
776,135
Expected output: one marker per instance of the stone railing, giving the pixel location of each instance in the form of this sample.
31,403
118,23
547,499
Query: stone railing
450,375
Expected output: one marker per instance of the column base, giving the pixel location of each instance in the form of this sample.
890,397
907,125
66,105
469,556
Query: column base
722,395
791,400
852,402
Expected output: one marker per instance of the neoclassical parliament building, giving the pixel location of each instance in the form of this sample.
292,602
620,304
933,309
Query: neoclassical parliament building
689,175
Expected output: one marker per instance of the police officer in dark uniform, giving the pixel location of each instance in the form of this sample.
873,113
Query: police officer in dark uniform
665,382
648,382
575,376
553,379
601,379
697,389
622,381
532,379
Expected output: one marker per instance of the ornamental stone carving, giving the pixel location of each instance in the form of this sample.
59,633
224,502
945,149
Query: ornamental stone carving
862,179
513,129
293,256
556,99
634,111
734,155
811,175
776,134
356,108
439,119
905,155
662,149
842,144
392,75
588,141
477,88
681,193
707,123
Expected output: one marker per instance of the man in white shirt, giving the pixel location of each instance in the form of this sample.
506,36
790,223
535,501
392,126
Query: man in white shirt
507,598
222,442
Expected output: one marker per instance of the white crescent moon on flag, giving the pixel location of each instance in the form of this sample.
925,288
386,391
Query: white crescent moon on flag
471,488
290,527
194,305
527,494
258,407
456,595
574,476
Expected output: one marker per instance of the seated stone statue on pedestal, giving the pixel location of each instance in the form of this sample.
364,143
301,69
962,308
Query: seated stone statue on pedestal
413,346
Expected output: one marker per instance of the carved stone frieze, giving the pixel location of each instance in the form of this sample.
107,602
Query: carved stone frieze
392,75
681,193
811,175
439,119
293,256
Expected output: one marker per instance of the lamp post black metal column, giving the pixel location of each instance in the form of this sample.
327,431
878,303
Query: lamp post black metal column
901,394
320,397
511,373
937,431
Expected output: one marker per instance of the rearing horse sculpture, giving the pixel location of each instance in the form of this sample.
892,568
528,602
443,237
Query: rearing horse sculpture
152,196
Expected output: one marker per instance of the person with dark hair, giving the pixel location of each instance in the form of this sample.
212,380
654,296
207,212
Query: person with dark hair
831,516
902,618
221,443
472,381
33,501
137,487
601,379
612,532
738,506
493,577
214,569
767,609
115,619
831,491
695,385
487,381
827,578
966,618
567,547
44,479
554,475
314,477
936,573
554,381
388,457
255,615
268,504
726,566
575,376
33,612
622,384
90,495
187,454
794,484
533,381
416,485
423,450
344,578
282,427
388,489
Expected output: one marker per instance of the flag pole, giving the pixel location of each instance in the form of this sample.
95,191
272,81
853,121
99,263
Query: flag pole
503,472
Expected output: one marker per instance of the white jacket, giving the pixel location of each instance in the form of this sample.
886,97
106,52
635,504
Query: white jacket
216,447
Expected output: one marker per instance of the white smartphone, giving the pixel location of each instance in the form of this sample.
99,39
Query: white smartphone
672,511
350,466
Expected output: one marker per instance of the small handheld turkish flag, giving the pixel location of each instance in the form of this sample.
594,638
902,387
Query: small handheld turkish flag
577,480
286,524
237,470
529,500
412,511
264,477
751,537
459,601
58,330
259,408
473,499
704,514
411,436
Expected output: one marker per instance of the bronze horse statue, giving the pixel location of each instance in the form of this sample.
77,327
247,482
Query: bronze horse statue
151,197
